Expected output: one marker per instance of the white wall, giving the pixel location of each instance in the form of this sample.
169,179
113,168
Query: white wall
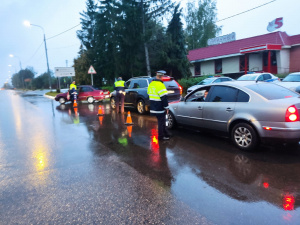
283,61
208,67
231,65
255,62
192,69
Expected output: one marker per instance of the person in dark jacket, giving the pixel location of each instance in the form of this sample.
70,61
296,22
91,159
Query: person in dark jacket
119,87
159,105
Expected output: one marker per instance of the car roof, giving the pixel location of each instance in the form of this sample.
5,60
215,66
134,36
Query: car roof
296,73
240,83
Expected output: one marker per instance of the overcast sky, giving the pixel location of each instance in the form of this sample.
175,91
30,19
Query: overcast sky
57,16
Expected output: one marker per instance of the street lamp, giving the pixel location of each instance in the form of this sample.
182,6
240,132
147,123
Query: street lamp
12,56
28,24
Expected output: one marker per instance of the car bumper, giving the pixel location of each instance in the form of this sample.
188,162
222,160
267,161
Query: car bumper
285,131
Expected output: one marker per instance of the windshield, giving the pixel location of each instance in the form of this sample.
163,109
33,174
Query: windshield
206,81
247,77
272,91
292,78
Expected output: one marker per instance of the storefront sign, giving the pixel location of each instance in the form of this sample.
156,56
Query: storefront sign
275,24
222,39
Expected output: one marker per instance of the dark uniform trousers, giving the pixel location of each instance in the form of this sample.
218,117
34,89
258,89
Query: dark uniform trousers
161,120
120,99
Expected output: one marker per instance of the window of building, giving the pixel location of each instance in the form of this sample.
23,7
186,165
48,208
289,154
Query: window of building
218,66
197,69
266,58
242,63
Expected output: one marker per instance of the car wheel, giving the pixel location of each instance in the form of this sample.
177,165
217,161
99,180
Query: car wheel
112,103
244,137
62,100
90,99
140,106
171,121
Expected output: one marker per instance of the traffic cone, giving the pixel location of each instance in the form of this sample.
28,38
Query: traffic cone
75,103
100,112
100,120
76,111
129,120
129,129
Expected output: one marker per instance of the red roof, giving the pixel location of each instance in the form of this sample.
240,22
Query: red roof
234,47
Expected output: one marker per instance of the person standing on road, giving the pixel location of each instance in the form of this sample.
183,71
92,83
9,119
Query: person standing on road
119,87
72,91
159,105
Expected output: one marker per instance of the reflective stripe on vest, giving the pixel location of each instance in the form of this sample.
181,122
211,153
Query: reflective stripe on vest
156,90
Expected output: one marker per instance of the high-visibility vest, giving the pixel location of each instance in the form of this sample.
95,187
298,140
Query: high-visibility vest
73,86
157,92
120,85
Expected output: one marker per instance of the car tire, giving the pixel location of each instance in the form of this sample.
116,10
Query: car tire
62,100
244,137
140,106
90,100
171,121
112,103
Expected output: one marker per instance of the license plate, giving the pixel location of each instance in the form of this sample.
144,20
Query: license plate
170,91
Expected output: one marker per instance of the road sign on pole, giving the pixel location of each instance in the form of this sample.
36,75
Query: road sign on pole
92,71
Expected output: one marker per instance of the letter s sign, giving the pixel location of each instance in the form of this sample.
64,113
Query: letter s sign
279,22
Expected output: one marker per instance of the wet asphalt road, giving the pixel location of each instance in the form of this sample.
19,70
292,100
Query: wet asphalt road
60,166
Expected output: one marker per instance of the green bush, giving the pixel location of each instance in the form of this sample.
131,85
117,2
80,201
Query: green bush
110,88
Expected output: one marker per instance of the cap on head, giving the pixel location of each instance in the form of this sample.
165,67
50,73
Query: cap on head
119,78
160,73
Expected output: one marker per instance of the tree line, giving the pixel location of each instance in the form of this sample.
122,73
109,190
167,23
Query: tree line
129,38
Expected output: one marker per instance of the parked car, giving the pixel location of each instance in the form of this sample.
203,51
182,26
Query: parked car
209,80
266,77
247,112
85,92
136,96
292,81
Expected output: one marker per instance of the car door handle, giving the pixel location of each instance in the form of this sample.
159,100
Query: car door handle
229,109
200,108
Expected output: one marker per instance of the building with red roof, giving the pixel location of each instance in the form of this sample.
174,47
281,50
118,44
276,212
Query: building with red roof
275,52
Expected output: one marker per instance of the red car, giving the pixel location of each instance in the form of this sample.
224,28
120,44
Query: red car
85,93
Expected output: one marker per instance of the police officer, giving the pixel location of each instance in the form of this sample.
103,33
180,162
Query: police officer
119,87
72,91
159,105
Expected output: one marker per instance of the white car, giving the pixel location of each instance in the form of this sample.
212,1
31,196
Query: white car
210,80
292,82
266,77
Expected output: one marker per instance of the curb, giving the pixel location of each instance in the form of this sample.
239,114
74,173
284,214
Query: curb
48,96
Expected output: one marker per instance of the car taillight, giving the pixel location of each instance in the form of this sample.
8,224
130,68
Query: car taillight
291,114
101,92
288,202
166,78
180,89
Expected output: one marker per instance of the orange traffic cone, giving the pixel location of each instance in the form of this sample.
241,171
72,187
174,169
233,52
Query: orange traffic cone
76,111
75,103
129,129
100,120
129,120
100,112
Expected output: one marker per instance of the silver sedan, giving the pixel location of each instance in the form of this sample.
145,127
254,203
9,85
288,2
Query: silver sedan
247,112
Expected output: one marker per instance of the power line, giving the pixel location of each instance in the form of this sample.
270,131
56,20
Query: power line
246,11
63,32
35,52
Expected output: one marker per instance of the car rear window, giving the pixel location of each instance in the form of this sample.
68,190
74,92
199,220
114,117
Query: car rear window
171,84
292,78
272,91
247,77
206,81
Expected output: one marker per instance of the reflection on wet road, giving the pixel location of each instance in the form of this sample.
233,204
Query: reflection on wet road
59,164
